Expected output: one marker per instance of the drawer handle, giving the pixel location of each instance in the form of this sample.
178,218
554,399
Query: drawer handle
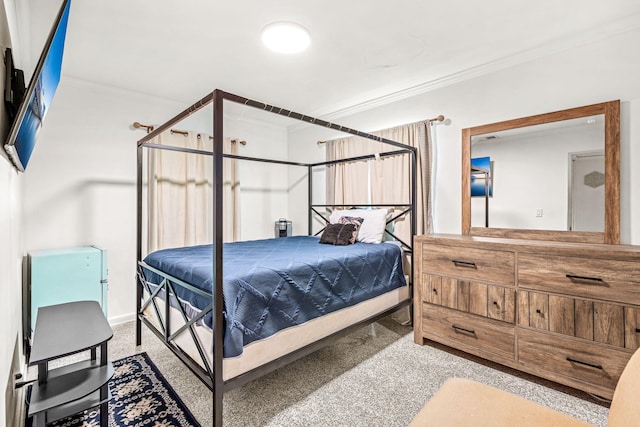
585,279
465,330
466,264
637,330
591,365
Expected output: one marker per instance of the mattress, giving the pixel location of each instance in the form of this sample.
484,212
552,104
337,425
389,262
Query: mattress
273,284
281,343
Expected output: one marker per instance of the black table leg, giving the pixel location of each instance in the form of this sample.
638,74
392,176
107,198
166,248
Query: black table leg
104,406
104,414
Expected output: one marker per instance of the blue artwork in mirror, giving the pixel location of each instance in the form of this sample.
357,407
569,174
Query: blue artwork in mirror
481,176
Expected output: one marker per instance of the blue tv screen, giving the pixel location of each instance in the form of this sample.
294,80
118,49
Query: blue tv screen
39,94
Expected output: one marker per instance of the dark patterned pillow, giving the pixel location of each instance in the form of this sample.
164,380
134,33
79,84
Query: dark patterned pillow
357,221
338,234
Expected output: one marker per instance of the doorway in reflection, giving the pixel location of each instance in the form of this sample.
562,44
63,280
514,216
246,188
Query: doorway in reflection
586,191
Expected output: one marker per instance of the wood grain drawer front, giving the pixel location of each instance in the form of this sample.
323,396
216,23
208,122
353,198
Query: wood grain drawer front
501,303
595,278
431,289
470,263
571,359
575,317
440,290
632,327
471,331
495,302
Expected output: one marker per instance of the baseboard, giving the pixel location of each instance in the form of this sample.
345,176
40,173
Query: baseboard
117,320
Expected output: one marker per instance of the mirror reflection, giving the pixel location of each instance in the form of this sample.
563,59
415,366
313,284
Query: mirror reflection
542,177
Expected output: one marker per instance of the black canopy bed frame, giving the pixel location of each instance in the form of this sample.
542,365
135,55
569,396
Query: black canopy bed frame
486,176
212,376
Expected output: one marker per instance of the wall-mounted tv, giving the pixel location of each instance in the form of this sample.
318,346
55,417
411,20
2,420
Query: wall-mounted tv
37,98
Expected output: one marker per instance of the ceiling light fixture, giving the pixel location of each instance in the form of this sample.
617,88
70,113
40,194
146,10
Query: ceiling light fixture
285,37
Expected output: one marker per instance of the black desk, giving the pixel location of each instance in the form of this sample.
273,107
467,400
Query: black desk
62,330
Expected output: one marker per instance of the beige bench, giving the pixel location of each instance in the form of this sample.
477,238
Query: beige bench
465,403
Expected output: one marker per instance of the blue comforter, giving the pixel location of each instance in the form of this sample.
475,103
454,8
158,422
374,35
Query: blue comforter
269,285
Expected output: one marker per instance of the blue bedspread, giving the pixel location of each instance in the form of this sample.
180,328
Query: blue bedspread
269,285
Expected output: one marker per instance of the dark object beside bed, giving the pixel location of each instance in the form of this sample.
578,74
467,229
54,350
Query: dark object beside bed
272,284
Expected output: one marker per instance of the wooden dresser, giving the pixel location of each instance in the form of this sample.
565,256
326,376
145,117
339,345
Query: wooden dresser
567,312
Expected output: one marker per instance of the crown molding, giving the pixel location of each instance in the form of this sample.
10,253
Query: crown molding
615,28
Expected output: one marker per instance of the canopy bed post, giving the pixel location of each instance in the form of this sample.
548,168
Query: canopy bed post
414,213
486,176
309,200
217,300
139,289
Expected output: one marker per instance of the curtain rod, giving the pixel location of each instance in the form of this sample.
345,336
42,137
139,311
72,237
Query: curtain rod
440,118
149,128
139,125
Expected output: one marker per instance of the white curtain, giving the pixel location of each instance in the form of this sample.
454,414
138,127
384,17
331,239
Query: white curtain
391,176
348,182
180,193
386,180
231,194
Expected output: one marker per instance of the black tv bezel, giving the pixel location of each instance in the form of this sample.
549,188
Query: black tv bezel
14,87
9,147
8,77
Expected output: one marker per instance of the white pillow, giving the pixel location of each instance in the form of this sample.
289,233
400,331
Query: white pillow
372,228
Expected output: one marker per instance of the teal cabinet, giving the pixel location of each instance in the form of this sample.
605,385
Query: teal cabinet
58,276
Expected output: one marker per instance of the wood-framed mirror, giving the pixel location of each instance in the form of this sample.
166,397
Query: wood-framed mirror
553,176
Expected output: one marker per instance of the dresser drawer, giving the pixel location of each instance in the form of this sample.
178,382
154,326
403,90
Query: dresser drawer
492,301
562,359
470,263
468,332
632,327
595,278
591,320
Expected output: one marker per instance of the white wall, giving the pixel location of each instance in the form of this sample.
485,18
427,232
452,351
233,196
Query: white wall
263,186
80,184
305,150
11,361
11,286
629,172
592,73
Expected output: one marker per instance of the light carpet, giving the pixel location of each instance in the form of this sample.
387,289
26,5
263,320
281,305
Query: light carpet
376,376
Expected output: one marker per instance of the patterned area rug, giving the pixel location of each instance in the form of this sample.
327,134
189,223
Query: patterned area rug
141,397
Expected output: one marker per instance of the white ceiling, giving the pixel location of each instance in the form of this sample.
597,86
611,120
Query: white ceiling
362,51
